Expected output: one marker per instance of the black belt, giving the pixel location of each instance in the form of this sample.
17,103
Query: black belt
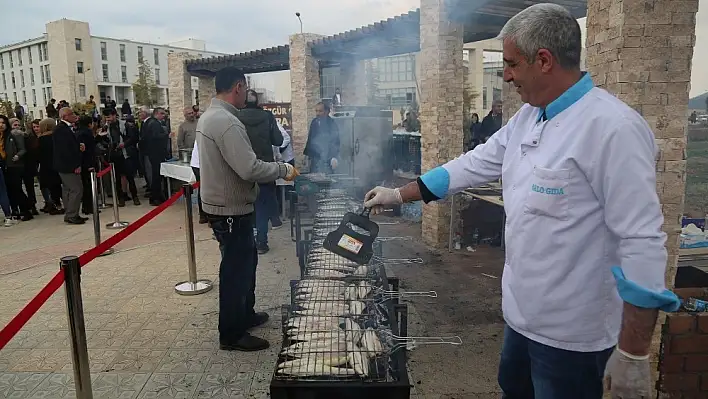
235,220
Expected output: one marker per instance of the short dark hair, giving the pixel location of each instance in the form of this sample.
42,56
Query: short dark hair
84,121
35,122
324,104
156,110
109,112
227,78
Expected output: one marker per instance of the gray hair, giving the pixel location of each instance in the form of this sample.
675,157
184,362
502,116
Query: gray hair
546,26
145,109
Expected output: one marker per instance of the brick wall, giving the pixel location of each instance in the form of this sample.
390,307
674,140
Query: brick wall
683,362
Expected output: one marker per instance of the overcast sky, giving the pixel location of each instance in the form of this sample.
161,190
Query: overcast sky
236,26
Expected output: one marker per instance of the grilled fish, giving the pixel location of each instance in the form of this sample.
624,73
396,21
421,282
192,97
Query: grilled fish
323,346
371,343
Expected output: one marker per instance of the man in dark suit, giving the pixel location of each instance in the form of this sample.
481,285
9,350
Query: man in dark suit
156,139
67,161
123,140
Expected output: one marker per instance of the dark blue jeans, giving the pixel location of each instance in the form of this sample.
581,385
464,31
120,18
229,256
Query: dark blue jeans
266,209
4,198
237,275
530,370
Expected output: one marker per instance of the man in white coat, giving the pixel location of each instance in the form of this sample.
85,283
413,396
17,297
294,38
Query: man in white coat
583,277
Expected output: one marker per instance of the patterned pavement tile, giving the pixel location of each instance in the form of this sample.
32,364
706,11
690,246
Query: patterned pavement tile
197,338
19,385
118,385
233,361
126,321
204,319
170,386
155,339
99,360
41,360
113,338
185,361
55,386
224,385
137,360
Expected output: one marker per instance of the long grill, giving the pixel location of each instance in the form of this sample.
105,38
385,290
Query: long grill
344,330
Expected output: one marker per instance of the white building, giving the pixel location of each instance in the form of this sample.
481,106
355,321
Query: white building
68,63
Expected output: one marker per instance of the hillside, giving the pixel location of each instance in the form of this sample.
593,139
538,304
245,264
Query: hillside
698,102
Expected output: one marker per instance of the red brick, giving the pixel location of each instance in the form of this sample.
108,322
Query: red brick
681,323
680,382
696,363
703,323
691,343
671,364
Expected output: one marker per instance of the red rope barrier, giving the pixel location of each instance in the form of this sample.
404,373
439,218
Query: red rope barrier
17,322
30,309
104,171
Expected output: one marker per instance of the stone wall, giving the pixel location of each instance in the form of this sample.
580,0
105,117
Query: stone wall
641,51
63,56
441,105
180,86
207,91
305,88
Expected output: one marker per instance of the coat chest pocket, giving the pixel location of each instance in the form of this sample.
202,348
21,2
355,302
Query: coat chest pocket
548,193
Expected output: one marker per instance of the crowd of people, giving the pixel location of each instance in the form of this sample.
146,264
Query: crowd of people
62,150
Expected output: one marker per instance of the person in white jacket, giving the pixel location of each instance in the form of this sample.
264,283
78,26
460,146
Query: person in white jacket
194,163
283,153
583,277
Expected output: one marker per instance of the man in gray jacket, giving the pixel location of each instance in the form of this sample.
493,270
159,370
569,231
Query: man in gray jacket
230,171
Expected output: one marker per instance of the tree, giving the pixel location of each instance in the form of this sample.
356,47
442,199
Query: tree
145,90
372,85
81,109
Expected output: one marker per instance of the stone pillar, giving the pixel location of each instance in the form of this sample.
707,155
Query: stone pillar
441,105
511,102
207,91
180,85
353,86
305,89
641,51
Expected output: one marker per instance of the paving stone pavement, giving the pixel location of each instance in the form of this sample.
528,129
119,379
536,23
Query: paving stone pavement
144,340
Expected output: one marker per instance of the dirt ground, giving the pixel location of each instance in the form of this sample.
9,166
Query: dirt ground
468,305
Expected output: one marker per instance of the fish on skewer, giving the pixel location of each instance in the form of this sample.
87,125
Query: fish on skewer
371,343
324,346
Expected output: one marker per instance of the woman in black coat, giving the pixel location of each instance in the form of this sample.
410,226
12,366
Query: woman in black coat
49,180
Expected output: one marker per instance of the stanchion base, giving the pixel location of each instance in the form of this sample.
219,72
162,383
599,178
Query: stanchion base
189,288
109,251
117,225
106,206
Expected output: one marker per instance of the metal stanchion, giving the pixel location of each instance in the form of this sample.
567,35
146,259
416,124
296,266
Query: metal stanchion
193,286
77,329
96,218
117,224
103,204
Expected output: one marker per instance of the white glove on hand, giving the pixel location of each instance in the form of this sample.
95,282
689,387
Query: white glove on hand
628,376
333,163
290,172
380,196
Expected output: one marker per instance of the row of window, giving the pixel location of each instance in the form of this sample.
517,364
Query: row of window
19,55
46,93
104,51
123,72
46,77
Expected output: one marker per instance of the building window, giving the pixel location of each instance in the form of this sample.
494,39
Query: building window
14,96
496,94
19,57
44,94
328,81
12,78
12,63
49,75
485,100
39,51
77,44
105,72
124,74
79,67
44,50
82,90
2,61
104,52
41,72
32,76
398,98
4,83
157,76
396,69
140,54
49,92
34,97
122,53
156,53
29,54
22,78
24,97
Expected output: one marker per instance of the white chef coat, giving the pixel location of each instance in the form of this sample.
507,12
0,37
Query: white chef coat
286,155
194,162
580,197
